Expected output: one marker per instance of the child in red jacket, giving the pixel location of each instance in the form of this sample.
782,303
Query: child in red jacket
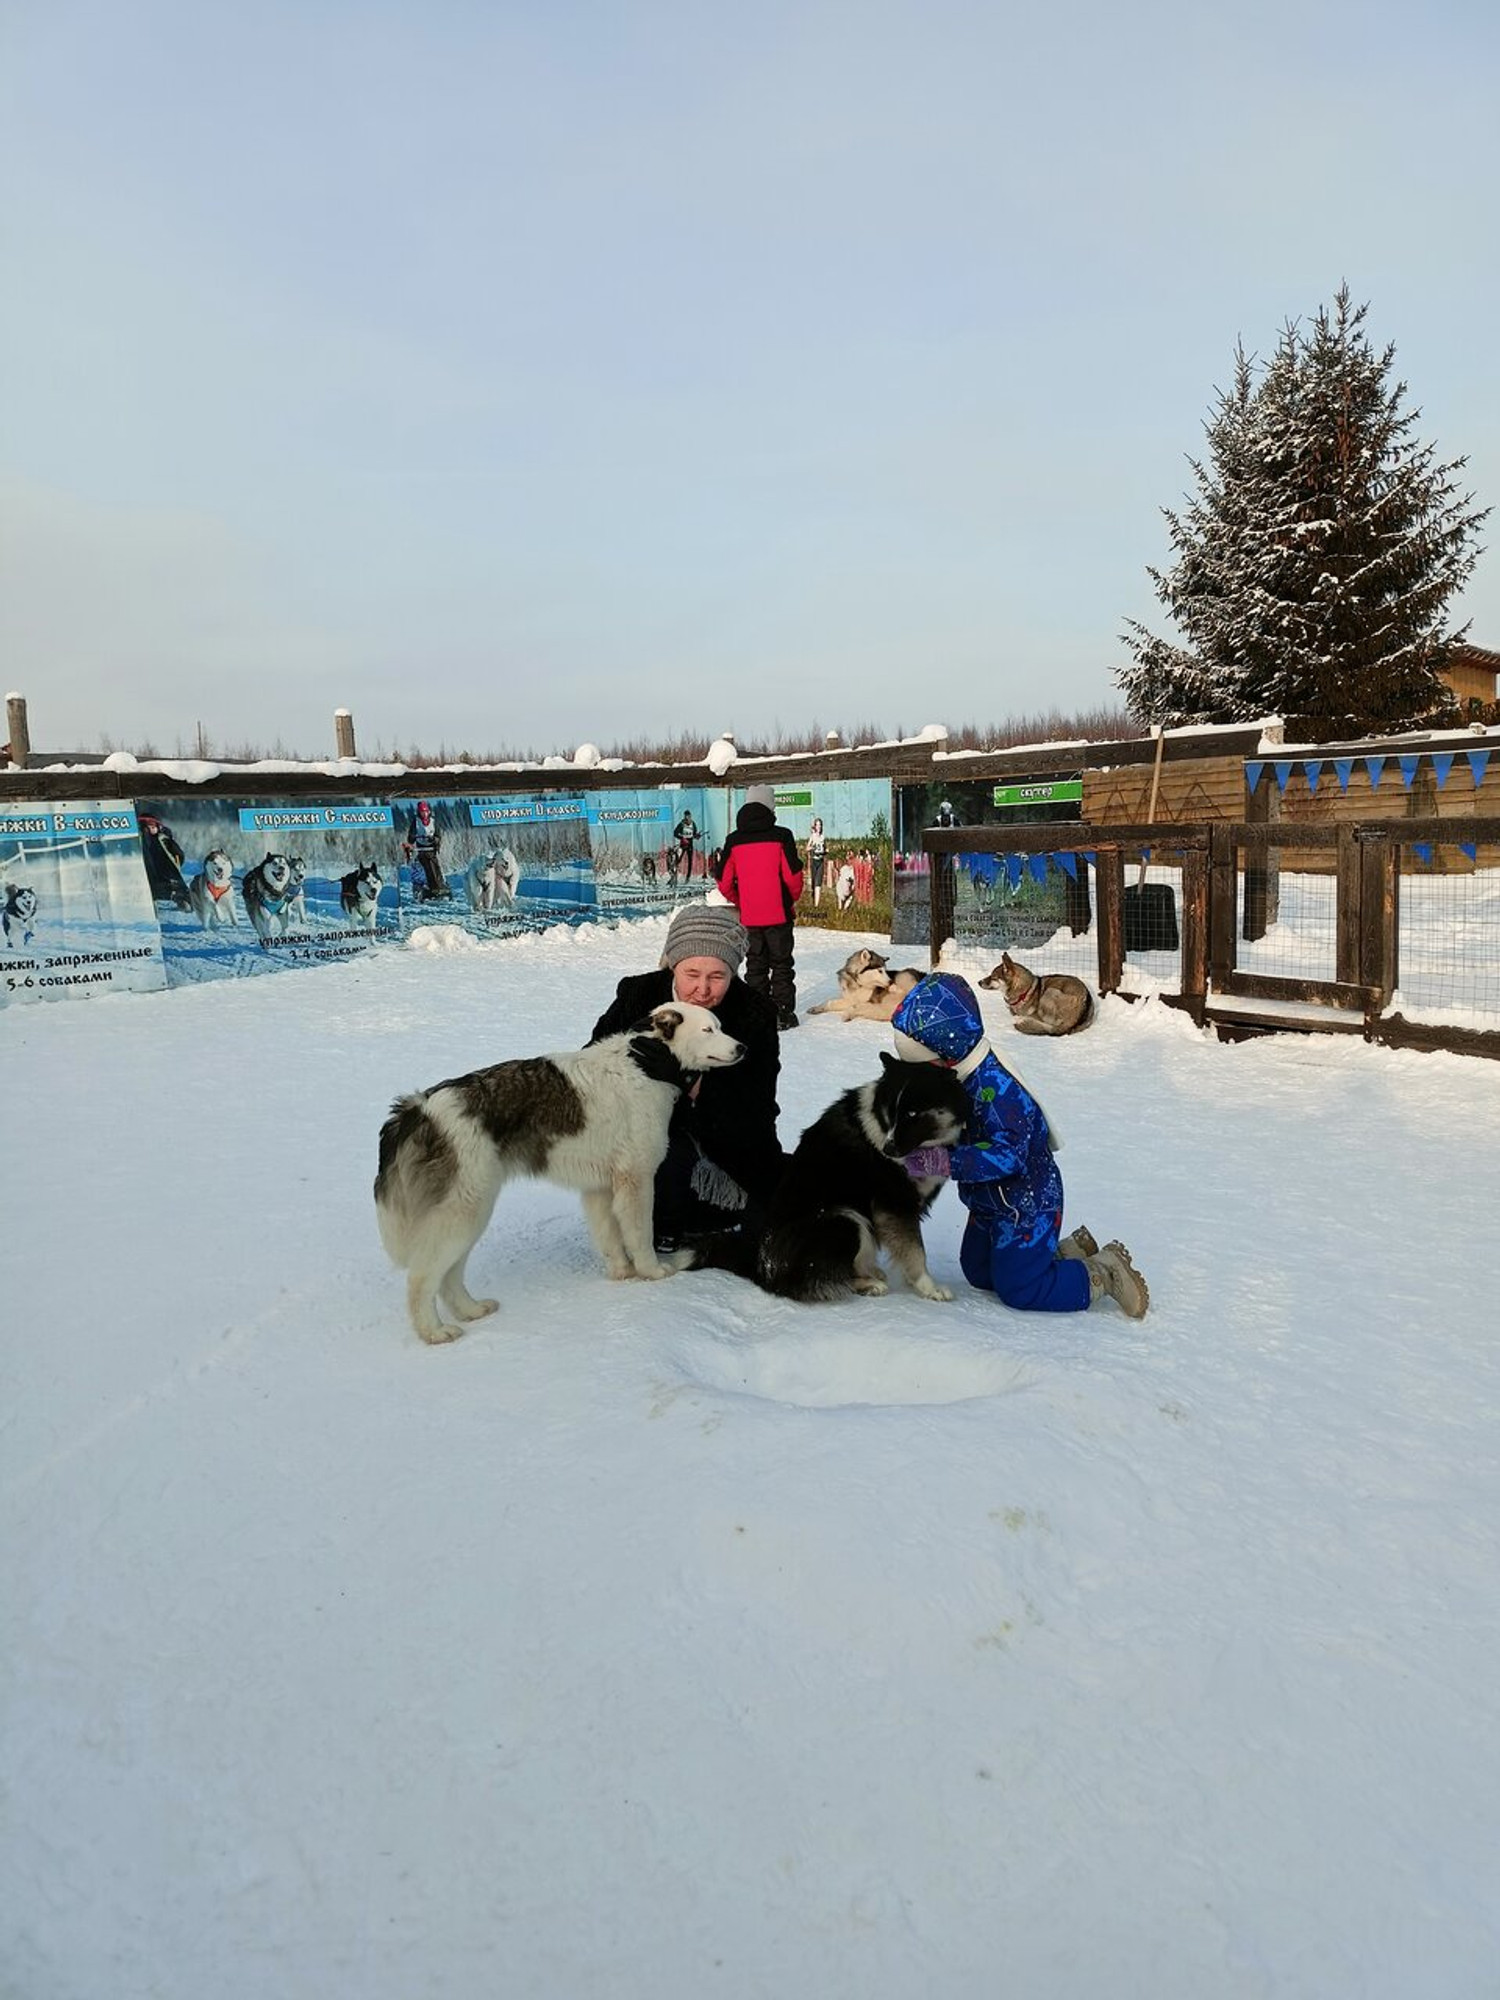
760,872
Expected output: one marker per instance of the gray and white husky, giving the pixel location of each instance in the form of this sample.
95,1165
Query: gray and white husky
359,895
266,892
211,891
591,1119
19,916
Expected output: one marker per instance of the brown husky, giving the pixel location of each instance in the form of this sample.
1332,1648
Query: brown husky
1041,1003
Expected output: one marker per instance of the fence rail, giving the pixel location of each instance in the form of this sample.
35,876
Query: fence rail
1245,910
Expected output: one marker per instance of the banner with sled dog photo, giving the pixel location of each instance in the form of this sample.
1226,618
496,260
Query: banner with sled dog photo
493,865
76,917
654,848
843,833
1004,902
240,889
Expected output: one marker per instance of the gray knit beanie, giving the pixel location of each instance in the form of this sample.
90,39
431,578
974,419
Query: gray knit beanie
703,931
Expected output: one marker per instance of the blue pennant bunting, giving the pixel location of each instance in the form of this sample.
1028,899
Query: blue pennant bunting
1068,863
1283,773
1374,765
1314,768
1478,763
1408,769
1345,768
1468,847
1423,851
1038,867
1252,776
1442,765
1091,857
1014,863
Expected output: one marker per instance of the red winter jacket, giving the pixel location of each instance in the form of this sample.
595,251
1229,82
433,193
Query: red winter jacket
760,870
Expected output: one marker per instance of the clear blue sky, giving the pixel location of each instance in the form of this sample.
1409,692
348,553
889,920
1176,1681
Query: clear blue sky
521,375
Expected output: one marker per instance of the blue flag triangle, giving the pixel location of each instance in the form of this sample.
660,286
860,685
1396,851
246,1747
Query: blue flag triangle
1283,772
1478,763
1038,867
1408,769
1091,857
1014,863
1345,768
1423,851
1374,765
1442,764
1314,768
1468,847
1068,863
1252,775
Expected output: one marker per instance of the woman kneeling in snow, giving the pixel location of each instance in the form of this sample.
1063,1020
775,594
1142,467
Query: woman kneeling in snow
1005,1172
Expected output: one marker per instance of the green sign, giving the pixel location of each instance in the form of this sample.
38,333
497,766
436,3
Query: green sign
1051,792
805,799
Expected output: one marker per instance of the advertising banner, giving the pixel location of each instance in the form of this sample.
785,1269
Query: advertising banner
75,913
240,889
655,848
493,865
843,832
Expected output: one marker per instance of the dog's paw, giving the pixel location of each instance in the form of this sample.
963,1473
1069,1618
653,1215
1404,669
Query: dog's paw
477,1309
663,1270
618,1268
871,1288
929,1288
440,1333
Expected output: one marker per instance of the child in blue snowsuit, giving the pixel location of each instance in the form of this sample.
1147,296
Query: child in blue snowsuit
1005,1172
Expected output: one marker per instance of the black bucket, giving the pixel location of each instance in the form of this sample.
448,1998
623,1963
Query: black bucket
1150,918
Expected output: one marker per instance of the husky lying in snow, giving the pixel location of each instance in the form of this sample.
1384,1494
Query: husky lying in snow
1041,1003
592,1119
868,989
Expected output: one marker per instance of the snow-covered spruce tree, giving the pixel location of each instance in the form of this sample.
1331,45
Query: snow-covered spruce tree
1315,564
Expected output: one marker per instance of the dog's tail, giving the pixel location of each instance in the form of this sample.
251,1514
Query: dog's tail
417,1167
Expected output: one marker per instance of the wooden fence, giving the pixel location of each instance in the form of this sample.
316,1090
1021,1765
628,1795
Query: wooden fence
1228,875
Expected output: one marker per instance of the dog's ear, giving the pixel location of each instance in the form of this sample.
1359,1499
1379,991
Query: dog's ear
651,1052
663,1022
889,1062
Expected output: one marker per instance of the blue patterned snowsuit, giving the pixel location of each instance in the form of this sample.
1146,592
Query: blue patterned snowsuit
1005,1172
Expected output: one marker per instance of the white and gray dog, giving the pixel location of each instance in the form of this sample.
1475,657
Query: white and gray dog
19,913
211,891
592,1119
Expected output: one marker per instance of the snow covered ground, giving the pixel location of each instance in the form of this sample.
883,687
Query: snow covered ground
674,1641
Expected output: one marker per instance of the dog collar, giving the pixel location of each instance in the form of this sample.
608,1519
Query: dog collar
1021,998
218,889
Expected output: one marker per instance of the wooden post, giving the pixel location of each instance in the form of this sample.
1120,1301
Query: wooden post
1221,901
1380,911
343,733
1195,930
1347,920
1262,873
1109,896
18,736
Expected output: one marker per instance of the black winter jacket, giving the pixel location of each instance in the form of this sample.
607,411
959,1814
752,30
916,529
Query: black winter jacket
733,1117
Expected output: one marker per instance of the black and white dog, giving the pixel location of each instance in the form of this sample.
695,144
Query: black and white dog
359,895
593,1119
848,1192
266,892
211,891
18,914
